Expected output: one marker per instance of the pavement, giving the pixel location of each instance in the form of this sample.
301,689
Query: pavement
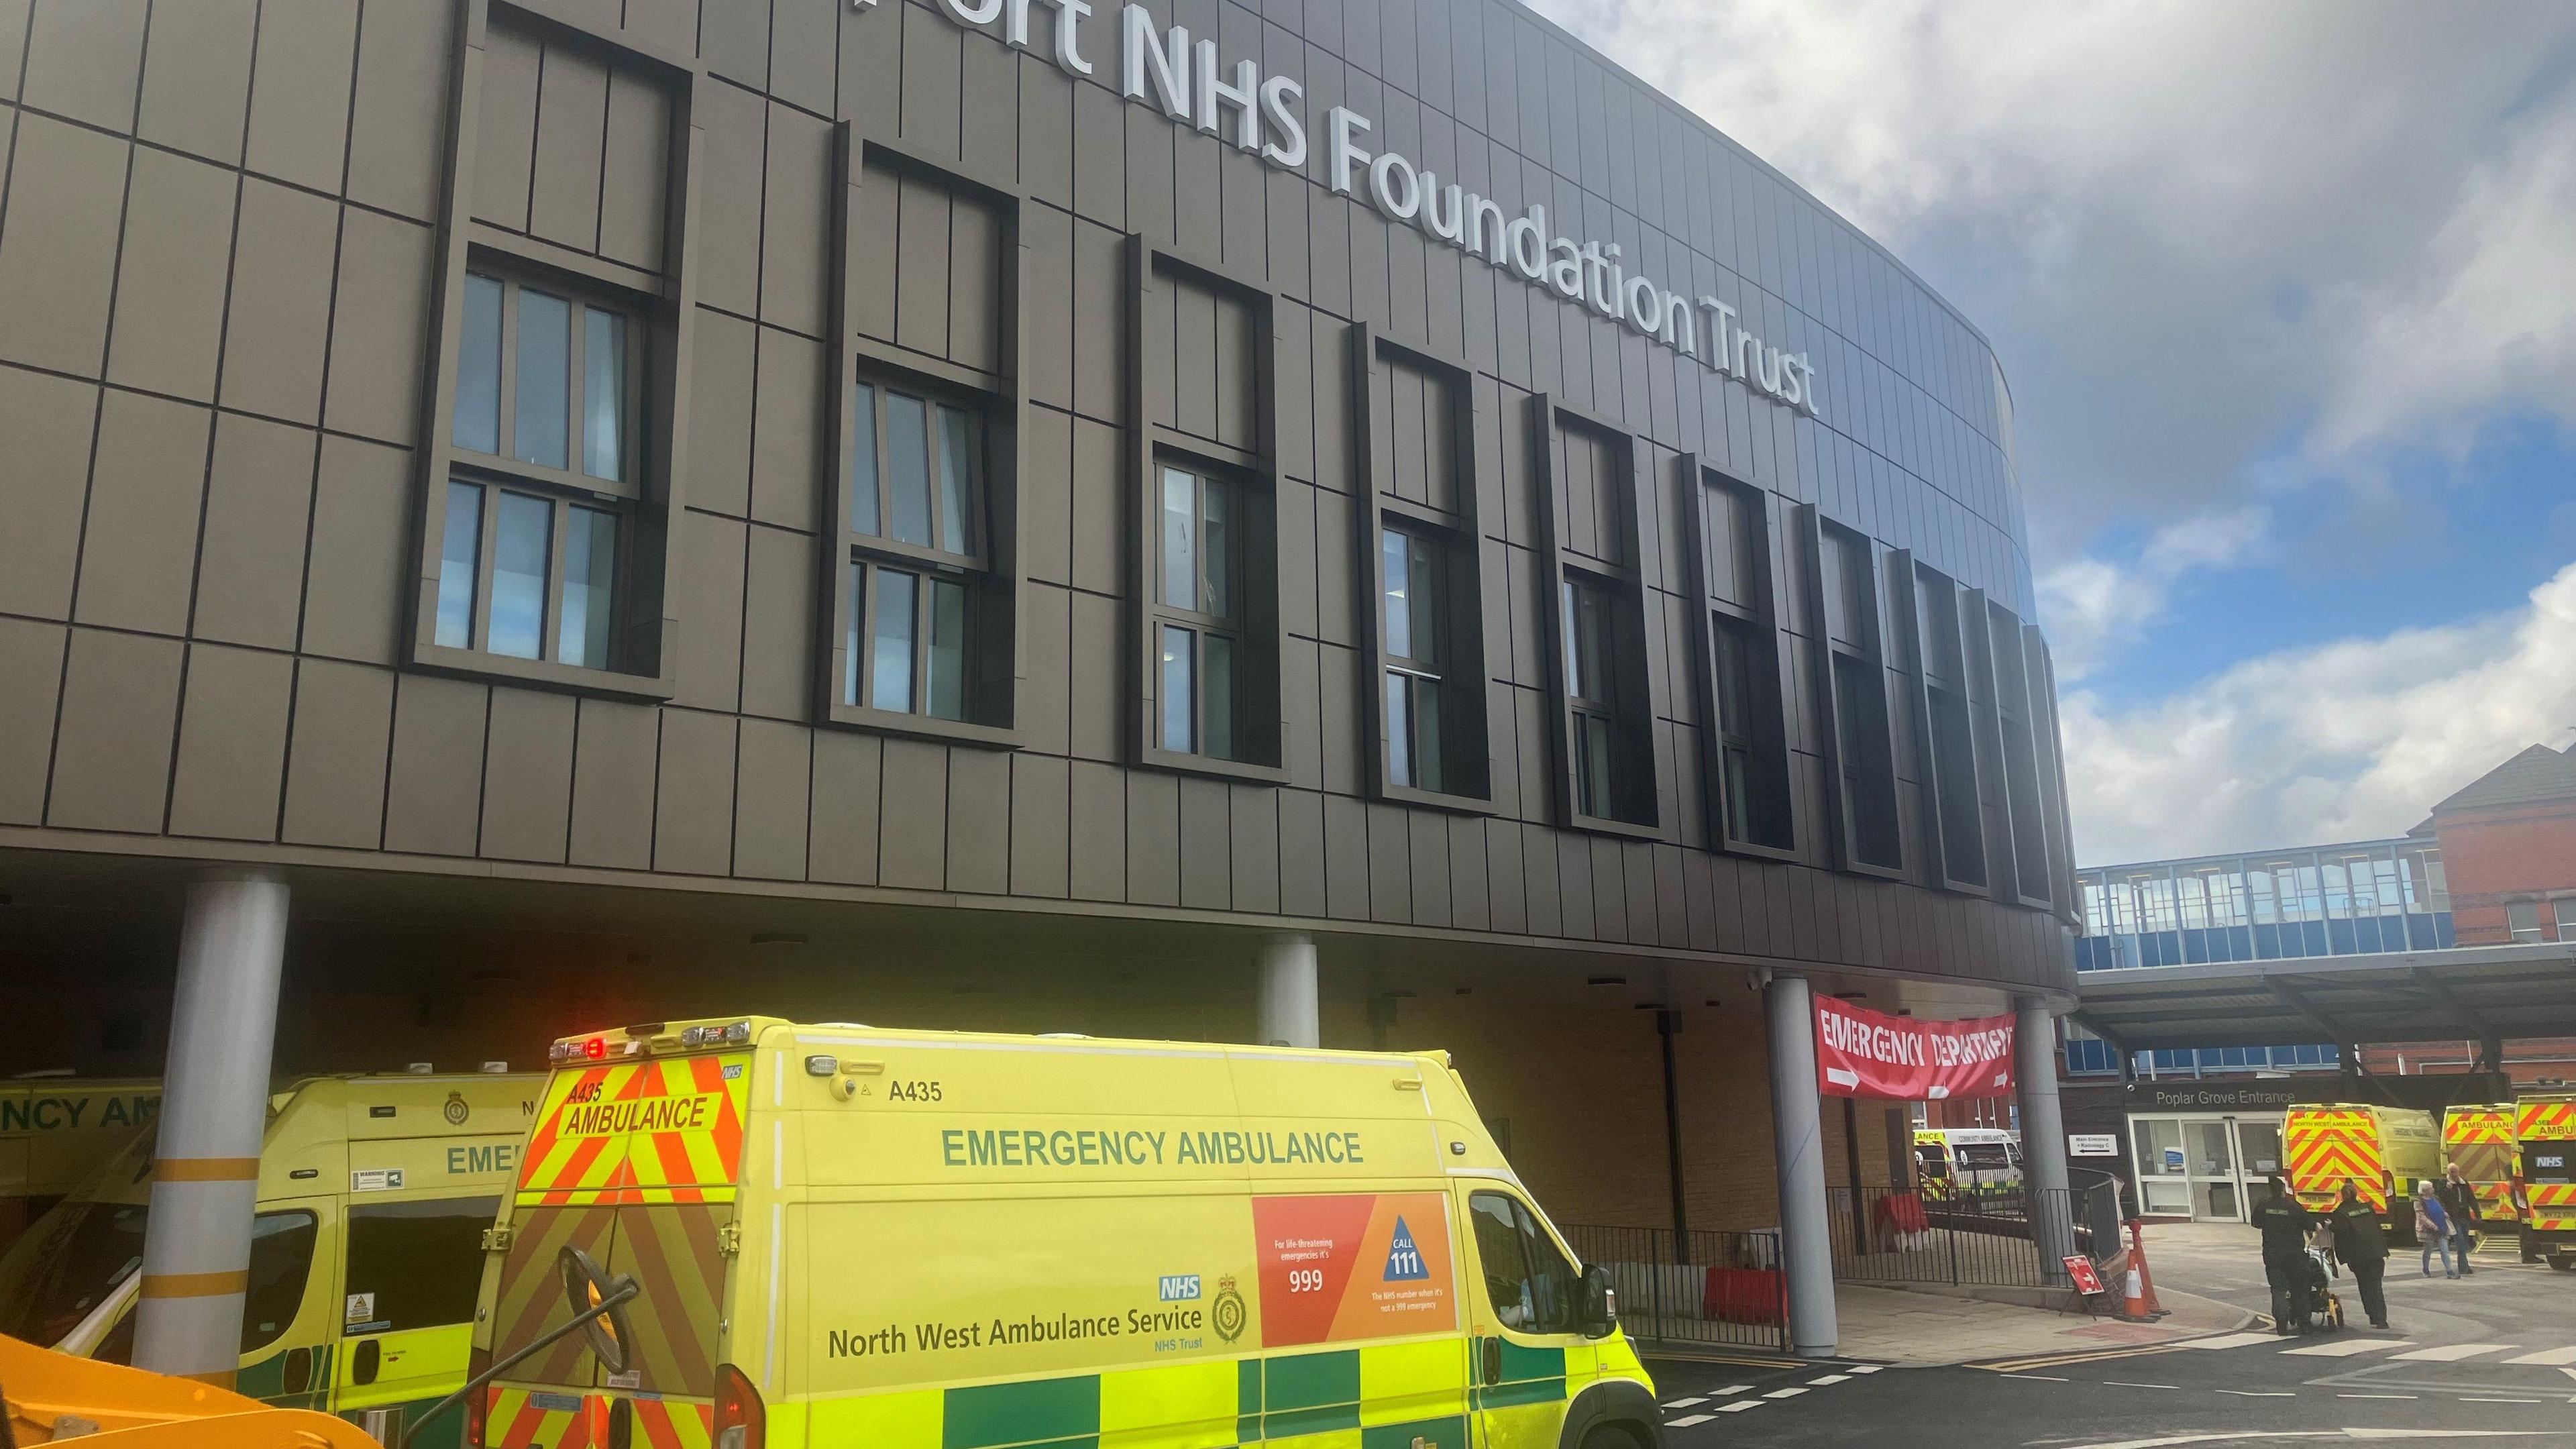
2491,1357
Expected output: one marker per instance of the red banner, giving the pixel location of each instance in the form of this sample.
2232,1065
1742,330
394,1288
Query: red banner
1865,1053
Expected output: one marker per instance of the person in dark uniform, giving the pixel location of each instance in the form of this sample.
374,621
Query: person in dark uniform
2361,1246
2286,1225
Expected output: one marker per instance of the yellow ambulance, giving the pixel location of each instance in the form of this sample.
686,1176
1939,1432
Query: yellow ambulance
2382,1151
2545,1129
374,1196
55,1131
2478,1139
924,1240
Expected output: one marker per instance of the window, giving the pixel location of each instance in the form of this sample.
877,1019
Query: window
1748,751
538,502
101,1245
2564,909
1196,613
1529,1282
1949,731
915,522
2522,918
1416,653
1592,688
415,1264
1863,751
2021,765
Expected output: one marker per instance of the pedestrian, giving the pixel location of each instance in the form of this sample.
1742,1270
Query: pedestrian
2461,1201
2285,1224
2433,1229
2363,1248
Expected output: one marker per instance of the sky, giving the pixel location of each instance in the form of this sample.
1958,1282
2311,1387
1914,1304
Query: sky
2286,295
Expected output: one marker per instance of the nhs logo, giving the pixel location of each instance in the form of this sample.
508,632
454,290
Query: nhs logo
1180,1287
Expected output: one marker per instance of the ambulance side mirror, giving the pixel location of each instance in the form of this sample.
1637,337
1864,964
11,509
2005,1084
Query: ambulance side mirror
601,1301
1600,1303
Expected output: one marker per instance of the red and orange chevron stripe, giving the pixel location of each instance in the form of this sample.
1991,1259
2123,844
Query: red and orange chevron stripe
654,1131
2547,1120
542,1419
2328,1148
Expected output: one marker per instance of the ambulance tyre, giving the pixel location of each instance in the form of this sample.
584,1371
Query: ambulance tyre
1618,1414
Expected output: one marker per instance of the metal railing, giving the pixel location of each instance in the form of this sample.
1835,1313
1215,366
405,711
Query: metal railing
2015,1240
1693,1288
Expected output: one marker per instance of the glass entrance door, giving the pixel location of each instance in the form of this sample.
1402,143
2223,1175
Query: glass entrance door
2258,1152
2209,1147
2164,1185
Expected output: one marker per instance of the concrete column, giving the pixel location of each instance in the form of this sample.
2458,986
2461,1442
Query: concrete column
1292,1007
1797,1137
2043,1134
214,1112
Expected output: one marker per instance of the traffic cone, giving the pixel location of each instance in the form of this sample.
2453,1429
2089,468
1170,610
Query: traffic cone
2138,1304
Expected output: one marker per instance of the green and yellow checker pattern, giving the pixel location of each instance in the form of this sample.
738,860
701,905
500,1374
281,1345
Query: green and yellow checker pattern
1378,1397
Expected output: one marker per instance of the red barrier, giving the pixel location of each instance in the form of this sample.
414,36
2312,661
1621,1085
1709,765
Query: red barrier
1747,1295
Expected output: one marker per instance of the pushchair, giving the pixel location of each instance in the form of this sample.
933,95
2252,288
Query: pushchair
2318,1308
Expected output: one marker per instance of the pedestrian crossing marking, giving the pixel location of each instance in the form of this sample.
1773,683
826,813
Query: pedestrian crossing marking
1735,1389
2451,1352
1686,1420
1685,1403
1784,1393
1865,1368
2229,1340
1739,1406
2347,1348
1829,1379
2548,1358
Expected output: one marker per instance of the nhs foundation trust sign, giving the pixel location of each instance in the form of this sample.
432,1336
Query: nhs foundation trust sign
1162,69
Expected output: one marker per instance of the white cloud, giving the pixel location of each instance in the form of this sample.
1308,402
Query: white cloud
2094,606
2350,740
2192,229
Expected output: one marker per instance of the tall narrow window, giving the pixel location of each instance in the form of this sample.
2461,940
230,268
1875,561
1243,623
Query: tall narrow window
1747,735
1415,658
916,537
1948,737
1198,629
544,463
1592,686
2021,765
1863,749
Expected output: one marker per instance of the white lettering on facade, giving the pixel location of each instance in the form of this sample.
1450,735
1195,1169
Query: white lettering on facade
1162,69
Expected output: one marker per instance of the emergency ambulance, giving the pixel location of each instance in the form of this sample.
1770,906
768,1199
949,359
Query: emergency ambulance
1966,1161
2478,1139
55,1131
2545,1130
2382,1151
923,1240
374,1195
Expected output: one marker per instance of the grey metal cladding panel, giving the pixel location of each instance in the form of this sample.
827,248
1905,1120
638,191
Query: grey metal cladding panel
914,829
841,829
1207,841
693,795
1149,140
1098,700
921,253
359,564
66,186
169,324
875,223
778,623
720,422
787,430
635,167
196,95
398,119
433,788
801,38
797,208
1045,503
250,573
989,133
1097,475
378,326
275,336
1047,346
572,125
1045,687
527,775
1346,858
505,132
335,777
734,39
871,72
84,59
31,676
977,279
1098,816
732,158
707,576
1046,100
1428,857
1542,896
139,546
979,821
1253,858
299,91
1153,839
773,790
933,51
48,422
1301,852
1041,826
1100,156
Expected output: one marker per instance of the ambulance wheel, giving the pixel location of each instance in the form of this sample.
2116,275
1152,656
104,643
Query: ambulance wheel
2563,1265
